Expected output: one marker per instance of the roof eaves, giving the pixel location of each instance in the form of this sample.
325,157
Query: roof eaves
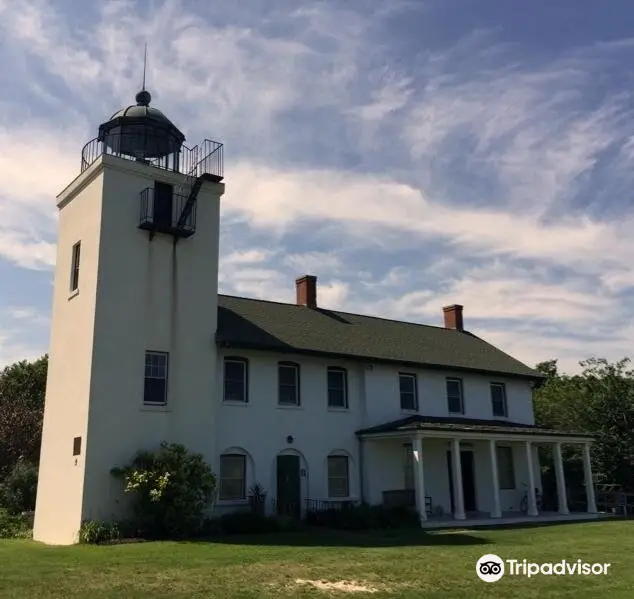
282,348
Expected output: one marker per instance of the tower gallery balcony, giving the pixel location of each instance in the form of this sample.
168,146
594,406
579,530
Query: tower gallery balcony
205,158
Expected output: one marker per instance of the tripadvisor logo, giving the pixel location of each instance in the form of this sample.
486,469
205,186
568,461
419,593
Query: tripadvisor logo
491,568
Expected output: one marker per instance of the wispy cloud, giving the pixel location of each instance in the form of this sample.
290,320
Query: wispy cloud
407,172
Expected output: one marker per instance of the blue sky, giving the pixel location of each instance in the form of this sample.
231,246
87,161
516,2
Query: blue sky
412,153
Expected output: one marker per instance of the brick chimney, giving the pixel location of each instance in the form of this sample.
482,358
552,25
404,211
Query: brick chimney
306,287
453,317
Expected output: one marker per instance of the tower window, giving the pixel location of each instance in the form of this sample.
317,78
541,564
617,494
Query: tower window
155,391
74,270
163,200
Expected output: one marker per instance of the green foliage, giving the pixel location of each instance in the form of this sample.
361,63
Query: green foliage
365,517
22,390
97,531
18,491
598,401
14,526
248,522
171,488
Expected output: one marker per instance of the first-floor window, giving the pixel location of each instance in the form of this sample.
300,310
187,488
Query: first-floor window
338,480
156,366
233,470
506,470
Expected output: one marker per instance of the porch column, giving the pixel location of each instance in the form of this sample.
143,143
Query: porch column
458,500
587,471
562,499
496,512
532,502
419,478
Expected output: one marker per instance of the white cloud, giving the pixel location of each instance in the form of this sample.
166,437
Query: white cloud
456,150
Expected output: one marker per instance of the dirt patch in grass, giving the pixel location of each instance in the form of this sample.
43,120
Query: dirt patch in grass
343,586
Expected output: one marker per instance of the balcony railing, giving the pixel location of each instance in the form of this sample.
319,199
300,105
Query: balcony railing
162,216
205,158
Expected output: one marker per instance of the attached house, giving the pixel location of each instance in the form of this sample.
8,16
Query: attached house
319,407
322,407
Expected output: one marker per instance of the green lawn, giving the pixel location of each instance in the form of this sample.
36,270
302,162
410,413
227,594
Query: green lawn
433,565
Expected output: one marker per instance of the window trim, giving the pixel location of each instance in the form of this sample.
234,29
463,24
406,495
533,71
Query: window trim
166,379
344,372
505,404
461,385
245,363
295,365
243,458
74,267
338,456
411,375
498,450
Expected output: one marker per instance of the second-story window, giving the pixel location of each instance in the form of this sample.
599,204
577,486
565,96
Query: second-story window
288,383
337,387
236,379
455,397
498,400
156,367
408,391
74,270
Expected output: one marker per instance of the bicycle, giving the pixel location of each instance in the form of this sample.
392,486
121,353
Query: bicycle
524,502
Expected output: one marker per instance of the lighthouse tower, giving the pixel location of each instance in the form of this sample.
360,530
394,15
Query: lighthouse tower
132,358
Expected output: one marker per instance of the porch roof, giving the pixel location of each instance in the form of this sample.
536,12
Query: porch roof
455,425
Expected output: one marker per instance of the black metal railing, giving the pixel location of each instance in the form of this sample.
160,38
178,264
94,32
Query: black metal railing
322,505
203,159
161,216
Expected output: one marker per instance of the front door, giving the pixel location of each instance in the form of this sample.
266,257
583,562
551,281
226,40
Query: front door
468,480
288,486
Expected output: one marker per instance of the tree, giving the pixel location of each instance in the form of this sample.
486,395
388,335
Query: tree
22,390
598,401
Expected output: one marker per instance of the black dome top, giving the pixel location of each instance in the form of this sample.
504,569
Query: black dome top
141,130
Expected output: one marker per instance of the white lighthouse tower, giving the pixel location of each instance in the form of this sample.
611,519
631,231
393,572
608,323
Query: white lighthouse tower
132,358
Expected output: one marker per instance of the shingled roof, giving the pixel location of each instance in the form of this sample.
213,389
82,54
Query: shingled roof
290,328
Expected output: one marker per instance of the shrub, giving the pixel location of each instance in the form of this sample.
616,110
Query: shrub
250,522
17,493
171,488
14,526
98,531
364,517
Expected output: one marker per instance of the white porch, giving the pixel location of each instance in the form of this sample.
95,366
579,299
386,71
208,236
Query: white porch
455,478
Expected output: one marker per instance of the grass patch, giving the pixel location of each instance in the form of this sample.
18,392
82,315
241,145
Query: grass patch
399,564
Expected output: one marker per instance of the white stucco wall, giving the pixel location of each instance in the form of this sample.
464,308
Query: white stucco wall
260,427
383,402
61,476
144,295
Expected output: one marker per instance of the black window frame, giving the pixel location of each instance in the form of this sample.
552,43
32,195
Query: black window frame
243,495
152,377
245,379
505,406
411,376
295,366
74,267
343,372
449,380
